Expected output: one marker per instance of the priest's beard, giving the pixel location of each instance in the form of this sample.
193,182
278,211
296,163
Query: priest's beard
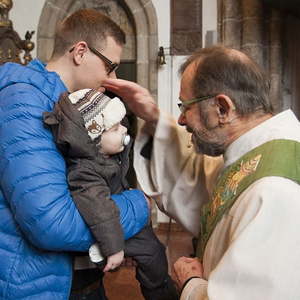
208,142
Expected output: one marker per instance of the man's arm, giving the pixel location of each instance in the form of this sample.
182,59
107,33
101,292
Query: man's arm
176,177
134,211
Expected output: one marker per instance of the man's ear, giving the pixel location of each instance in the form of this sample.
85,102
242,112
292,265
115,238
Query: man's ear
225,109
78,53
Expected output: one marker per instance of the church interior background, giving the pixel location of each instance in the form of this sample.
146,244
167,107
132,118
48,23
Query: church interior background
160,34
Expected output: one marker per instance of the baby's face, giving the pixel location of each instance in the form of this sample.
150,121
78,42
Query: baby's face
112,140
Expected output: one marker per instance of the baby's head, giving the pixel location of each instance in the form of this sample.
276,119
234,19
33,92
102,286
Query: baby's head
102,116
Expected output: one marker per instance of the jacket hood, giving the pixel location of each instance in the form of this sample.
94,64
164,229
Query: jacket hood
49,83
69,131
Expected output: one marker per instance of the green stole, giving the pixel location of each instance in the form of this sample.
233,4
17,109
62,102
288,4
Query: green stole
275,158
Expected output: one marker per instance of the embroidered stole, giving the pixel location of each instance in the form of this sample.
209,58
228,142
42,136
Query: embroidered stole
275,158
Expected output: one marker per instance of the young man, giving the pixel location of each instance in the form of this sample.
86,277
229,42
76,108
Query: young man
39,223
249,246
87,129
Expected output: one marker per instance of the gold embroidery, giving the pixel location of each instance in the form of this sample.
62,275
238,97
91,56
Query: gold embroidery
245,169
230,186
216,203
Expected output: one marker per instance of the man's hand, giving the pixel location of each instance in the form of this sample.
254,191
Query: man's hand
114,261
138,99
186,267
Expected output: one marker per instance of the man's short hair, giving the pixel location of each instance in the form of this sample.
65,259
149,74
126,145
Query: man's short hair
87,25
222,70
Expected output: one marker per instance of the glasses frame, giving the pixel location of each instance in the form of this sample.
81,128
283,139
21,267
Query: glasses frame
184,105
112,67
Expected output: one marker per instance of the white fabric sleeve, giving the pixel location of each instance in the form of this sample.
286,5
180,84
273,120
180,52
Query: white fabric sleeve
196,289
177,178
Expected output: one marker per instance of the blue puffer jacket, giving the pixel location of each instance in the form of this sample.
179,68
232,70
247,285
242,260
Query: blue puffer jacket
39,222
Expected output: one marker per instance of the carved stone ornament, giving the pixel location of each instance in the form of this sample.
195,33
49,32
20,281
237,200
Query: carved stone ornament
11,44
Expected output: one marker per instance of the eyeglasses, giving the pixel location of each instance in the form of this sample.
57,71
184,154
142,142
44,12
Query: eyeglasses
111,67
184,105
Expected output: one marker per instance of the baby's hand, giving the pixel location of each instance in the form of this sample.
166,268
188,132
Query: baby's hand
114,261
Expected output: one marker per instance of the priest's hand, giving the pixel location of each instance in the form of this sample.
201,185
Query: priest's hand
185,268
138,99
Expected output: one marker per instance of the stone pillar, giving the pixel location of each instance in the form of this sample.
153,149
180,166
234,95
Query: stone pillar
275,59
252,29
230,23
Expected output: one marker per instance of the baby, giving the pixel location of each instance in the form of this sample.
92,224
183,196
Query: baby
87,128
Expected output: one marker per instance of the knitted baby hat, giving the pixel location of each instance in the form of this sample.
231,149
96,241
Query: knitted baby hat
99,112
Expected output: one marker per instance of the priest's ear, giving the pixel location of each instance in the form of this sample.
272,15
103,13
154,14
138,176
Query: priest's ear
225,109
